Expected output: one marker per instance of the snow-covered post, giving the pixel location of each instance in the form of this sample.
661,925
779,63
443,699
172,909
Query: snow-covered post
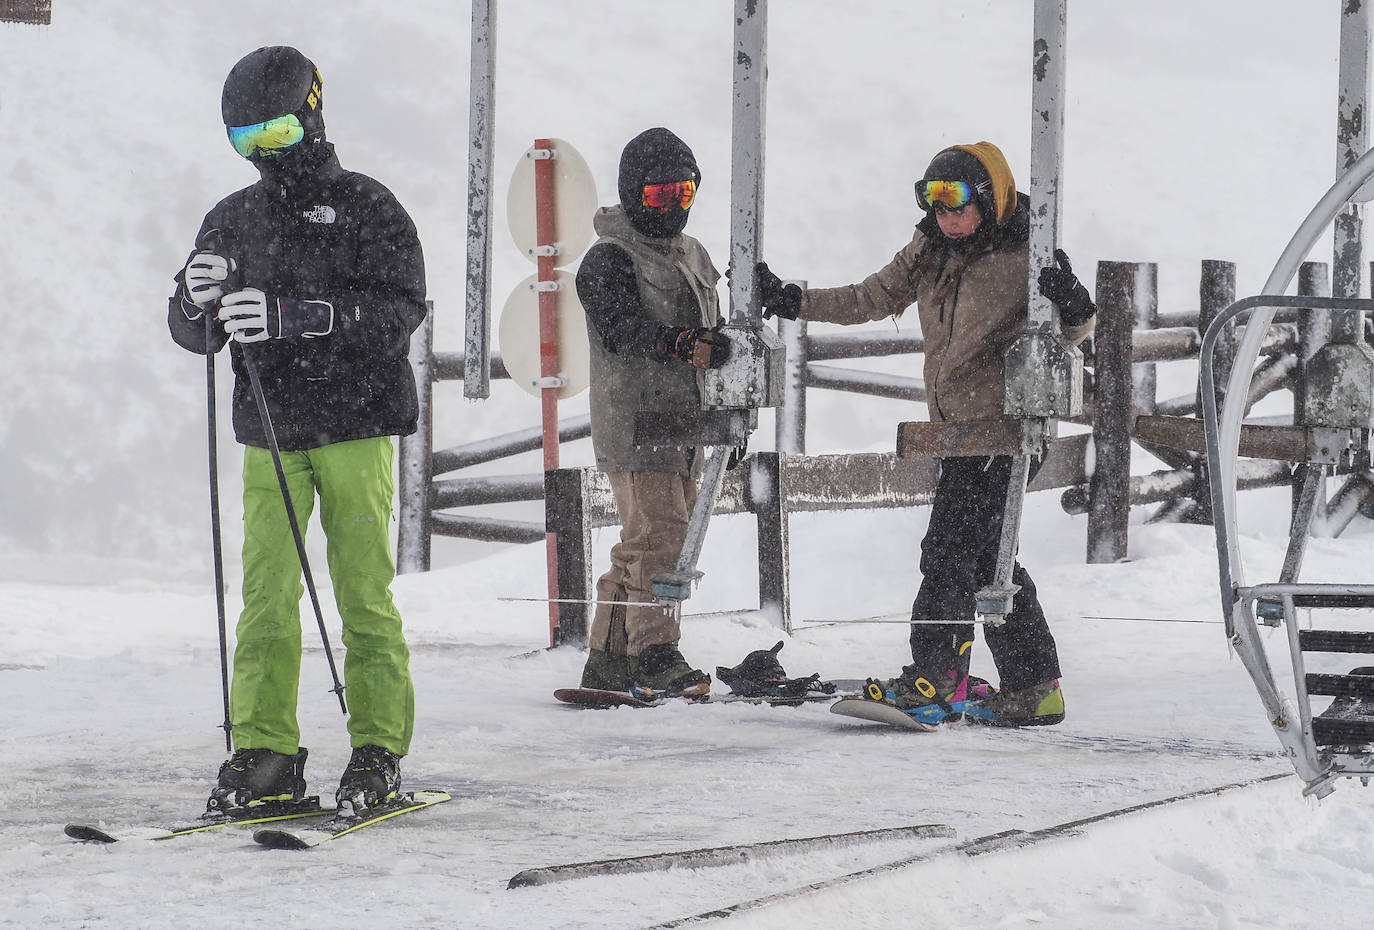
1352,140
789,430
481,139
767,498
1216,292
1145,316
1109,507
746,157
1314,329
416,471
568,520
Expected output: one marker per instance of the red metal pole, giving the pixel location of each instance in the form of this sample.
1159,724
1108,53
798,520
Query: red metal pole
545,238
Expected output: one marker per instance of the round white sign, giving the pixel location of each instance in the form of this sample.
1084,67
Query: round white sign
518,337
574,194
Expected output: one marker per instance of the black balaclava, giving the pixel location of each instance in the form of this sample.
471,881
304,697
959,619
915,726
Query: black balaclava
272,82
652,157
959,165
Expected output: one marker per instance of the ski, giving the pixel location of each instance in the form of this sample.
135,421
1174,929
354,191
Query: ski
344,824
264,813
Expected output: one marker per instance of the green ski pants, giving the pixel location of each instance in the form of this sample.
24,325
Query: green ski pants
355,486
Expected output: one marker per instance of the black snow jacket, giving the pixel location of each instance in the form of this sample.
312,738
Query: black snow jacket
337,236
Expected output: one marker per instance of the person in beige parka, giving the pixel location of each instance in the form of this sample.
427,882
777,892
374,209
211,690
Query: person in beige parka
967,270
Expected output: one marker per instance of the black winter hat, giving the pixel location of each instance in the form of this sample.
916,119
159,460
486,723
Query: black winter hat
272,82
655,155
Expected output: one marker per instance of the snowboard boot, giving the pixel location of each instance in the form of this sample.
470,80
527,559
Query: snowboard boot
258,776
373,776
660,671
933,698
1039,705
606,671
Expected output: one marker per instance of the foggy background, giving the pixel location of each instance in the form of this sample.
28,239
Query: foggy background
1194,130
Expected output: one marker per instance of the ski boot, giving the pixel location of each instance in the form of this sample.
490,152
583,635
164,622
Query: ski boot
1039,705
372,777
606,671
660,672
253,777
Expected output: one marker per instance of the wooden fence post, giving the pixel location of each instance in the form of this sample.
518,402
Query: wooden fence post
567,517
789,429
766,497
1314,331
415,471
1109,506
1216,292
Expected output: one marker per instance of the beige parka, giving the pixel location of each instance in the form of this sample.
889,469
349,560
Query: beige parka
972,305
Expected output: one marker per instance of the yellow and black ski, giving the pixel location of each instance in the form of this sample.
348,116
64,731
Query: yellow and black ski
344,824
269,812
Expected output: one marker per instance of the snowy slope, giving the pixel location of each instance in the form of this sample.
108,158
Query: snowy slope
1195,131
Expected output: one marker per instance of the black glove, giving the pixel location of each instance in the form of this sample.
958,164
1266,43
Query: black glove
1063,289
701,347
778,299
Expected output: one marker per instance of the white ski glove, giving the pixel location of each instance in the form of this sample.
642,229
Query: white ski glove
250,315
204,275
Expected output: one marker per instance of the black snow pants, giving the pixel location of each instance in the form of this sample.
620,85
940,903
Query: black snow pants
958,557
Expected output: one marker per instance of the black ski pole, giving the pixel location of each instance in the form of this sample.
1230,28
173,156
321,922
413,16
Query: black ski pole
261,400
227,726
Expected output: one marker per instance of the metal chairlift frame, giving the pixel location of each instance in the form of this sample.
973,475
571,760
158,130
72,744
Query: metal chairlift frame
1330,439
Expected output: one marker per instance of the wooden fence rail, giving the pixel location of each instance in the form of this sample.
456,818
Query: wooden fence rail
1121,408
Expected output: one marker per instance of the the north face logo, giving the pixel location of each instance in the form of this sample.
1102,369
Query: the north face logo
320,215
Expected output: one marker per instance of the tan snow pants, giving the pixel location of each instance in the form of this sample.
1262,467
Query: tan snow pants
654,508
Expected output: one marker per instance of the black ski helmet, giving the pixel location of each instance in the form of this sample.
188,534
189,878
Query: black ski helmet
655,156
957,164
272,82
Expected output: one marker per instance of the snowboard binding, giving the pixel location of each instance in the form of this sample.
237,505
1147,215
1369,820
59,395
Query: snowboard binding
762,675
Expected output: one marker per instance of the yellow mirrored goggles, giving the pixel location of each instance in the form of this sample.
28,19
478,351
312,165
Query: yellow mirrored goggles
272,137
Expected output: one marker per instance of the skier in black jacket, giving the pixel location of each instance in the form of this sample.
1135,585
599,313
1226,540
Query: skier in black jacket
317,274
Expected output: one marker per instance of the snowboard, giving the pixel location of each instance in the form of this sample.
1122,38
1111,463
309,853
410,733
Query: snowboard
883,712
348,823
595,697
263,813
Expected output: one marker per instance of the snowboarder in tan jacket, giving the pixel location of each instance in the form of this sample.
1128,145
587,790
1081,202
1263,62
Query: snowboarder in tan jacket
967,270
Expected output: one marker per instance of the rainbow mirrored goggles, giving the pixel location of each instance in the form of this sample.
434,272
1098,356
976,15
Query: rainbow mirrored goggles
272,137
673,194
952,195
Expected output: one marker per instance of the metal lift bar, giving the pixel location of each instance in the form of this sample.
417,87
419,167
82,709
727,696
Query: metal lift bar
1044,375
746,236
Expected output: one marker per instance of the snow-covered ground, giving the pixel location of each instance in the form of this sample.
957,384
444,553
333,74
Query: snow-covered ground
1194,131
114,698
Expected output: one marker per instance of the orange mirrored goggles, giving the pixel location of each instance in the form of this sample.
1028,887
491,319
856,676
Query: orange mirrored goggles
952,195
673,194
